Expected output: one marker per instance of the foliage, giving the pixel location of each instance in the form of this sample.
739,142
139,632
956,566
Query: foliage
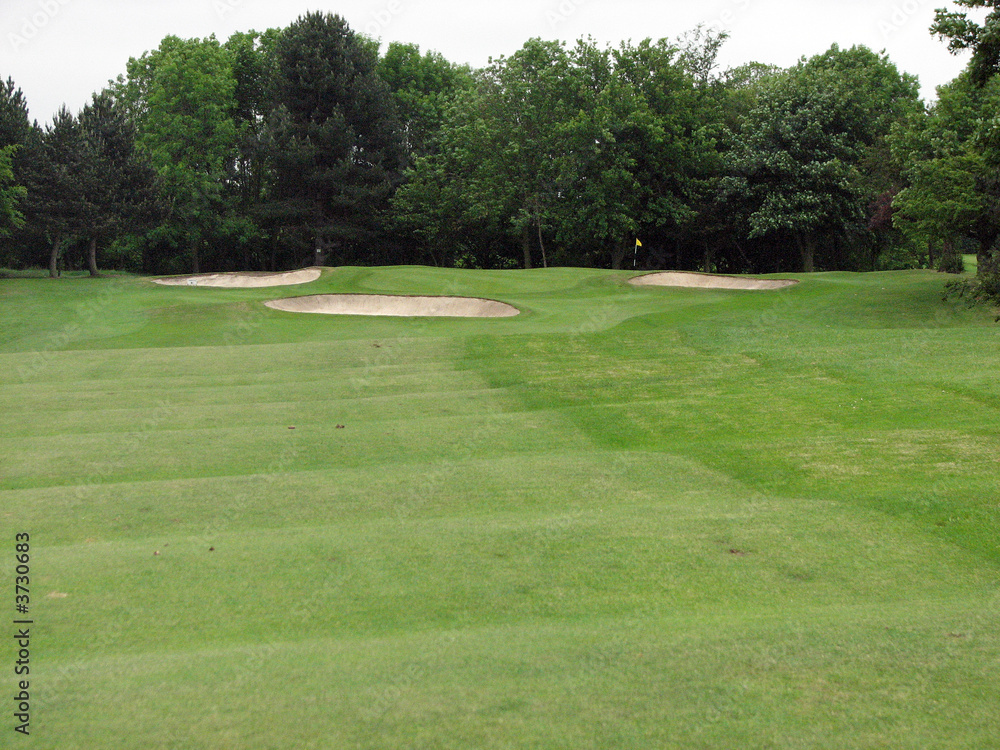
120,186
186,98
952,263
796,169
950,164
423,87
15,127
500,146
572,151
336,148
15,132
56,160
10,193
963,33
276,145
252,59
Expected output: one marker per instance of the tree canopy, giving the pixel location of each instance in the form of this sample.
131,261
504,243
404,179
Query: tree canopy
10,194
963,33
336,139
274,149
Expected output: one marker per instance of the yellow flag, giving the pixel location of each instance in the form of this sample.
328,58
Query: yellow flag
637,243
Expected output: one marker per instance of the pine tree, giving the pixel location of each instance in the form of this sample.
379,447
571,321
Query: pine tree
337,149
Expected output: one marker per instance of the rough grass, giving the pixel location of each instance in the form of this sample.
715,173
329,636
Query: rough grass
642,518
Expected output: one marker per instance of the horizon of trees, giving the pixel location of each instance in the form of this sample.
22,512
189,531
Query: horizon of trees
272,149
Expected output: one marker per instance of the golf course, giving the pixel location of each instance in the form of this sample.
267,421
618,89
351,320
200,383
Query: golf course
623,516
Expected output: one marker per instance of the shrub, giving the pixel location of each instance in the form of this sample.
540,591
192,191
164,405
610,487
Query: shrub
952,263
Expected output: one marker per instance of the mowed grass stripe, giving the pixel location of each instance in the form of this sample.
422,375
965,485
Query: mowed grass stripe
462,486
164,453
828,678
202,409
356,576
247,432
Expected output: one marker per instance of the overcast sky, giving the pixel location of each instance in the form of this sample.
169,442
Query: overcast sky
60,51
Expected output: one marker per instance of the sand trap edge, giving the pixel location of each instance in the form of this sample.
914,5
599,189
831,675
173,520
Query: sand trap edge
244,280
692,280
394,305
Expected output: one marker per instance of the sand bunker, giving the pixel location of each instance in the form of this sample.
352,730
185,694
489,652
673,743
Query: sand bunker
399,306
709,281
243,280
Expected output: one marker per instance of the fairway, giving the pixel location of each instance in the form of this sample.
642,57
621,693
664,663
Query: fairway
627,517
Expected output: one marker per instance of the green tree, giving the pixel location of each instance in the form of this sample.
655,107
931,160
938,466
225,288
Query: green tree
799,162
11,194
500,161
336,144
15,131
423,87
932,148
963,34
471,184
521,101
252,55
56,200
432,205
119,185
740,90
681,168
15,127
979,139
601,202
573,152
793,166
618,170
183,97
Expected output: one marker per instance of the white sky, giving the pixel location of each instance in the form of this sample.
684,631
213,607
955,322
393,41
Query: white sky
60,51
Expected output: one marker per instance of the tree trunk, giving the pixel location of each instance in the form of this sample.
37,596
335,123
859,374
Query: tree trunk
195,263
807,249
985,259
526,244
930,253
709,258
92,257
271,264
541,245
54,257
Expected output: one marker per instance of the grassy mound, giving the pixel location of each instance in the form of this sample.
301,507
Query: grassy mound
628,517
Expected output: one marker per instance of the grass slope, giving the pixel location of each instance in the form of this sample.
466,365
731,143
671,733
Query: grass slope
635,518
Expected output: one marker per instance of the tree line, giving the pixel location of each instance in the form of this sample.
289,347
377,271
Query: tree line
270,150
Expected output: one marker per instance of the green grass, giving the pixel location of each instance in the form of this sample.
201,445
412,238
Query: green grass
627,518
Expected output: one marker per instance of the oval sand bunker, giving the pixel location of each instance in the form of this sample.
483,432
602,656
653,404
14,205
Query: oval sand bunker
709,281
397,306
244,280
